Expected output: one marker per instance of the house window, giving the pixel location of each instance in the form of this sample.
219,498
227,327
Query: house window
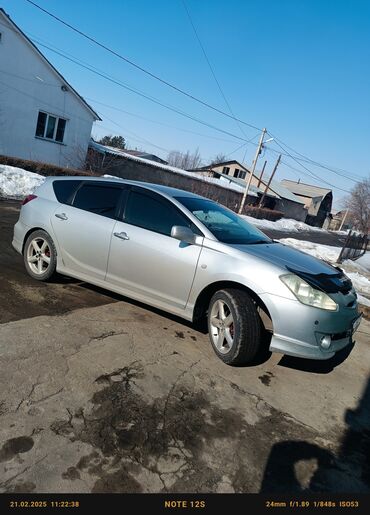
242,174
226,170
236,172
50,127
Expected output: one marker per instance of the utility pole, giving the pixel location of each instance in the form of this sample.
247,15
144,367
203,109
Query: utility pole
263,169
343,219
259,148
269,181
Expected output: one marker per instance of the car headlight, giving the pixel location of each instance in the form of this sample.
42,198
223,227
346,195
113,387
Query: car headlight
306,294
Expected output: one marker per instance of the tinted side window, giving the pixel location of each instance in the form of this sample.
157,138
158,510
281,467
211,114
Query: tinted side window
64,190
154,214
101,200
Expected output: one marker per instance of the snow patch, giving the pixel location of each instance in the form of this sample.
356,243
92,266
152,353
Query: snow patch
364,261
360,282
324,252
363,300
284,224
18,183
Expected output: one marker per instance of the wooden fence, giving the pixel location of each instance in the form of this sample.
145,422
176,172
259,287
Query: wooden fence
354,246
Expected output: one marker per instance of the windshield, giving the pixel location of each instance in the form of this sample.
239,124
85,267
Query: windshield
224,224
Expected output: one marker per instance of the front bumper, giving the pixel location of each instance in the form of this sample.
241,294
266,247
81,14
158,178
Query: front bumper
298,329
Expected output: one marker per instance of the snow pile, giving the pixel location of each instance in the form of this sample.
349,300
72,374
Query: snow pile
325,252
363,300
284,224
360,282
364,261
18,183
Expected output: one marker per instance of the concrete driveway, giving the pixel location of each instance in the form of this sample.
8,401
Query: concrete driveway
99,394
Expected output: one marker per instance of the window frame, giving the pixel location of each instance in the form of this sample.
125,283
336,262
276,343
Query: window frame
71,195
57,118
161,199
121,202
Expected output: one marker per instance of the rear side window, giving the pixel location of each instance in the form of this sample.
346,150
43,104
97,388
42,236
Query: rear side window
101,200
64,190
154,214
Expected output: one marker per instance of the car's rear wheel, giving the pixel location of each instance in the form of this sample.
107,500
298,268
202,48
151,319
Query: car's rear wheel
234,326
40,256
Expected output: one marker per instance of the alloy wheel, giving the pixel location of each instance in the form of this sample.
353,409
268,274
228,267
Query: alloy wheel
222,327
38,255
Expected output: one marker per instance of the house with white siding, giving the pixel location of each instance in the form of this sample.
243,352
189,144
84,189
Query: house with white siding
42,117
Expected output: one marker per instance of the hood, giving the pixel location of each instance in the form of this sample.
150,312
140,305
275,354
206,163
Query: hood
288,258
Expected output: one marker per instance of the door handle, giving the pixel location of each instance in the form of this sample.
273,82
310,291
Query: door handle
61,216
121,235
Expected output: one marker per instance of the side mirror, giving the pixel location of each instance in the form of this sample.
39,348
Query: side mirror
183,234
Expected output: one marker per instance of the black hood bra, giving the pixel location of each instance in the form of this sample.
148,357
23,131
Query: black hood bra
329,283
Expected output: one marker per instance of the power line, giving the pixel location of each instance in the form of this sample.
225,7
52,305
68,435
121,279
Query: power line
144,70
337,171
136,136
152,99
310,172
43,102
37,80
164,82
137,92
211,67
241,146
317,163
156,122
30,79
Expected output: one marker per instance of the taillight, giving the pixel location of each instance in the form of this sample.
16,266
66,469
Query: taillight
28,199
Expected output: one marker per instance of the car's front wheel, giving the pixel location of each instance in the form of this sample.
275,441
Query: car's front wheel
40,256
234,326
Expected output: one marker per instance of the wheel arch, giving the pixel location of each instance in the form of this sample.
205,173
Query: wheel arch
30,231
204,297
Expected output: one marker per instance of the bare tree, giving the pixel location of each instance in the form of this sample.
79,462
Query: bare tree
219,158
358,205
186,161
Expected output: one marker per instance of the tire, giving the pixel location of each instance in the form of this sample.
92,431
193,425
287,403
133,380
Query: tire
40,256
234,326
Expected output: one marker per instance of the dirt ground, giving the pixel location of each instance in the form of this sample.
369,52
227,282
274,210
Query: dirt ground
101,394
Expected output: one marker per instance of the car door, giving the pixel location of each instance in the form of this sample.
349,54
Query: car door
144,259
84,228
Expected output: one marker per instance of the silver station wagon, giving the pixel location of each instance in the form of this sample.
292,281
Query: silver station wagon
189,256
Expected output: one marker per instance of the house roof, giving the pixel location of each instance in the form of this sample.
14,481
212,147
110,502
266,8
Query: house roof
242,183
145,155
282,191
306,190
223,163
136,153
275,187
34,47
